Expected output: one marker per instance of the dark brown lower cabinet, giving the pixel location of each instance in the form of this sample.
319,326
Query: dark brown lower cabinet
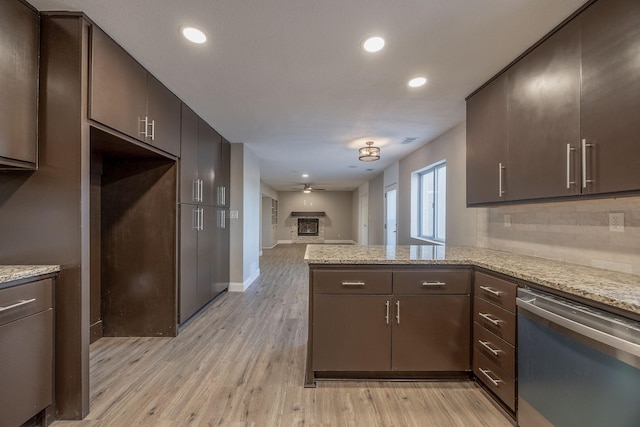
431,333
494,336
351,333
26,349
383,323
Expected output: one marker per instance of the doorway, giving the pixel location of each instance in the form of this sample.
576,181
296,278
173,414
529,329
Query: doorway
390,213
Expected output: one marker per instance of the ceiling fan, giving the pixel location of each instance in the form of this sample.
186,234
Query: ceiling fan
308,189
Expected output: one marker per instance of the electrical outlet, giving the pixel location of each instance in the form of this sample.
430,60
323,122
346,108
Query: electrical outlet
507,220
616,222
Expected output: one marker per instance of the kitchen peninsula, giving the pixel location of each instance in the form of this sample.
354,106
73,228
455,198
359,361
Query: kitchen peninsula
437,312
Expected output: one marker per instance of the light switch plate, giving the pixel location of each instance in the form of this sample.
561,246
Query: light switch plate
616,222
233,214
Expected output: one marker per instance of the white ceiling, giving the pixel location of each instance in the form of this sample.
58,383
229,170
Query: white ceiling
289,78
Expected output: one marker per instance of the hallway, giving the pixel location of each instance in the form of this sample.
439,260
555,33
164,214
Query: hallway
241,363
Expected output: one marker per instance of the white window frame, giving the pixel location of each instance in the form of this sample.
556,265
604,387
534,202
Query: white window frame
437,213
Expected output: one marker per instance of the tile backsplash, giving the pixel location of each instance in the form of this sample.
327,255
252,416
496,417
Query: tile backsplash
575,231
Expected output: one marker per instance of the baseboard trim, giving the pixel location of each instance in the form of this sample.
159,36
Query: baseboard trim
243,286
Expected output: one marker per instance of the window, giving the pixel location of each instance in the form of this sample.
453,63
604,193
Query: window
429,195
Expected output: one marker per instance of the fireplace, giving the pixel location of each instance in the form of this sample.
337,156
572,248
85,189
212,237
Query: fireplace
308,226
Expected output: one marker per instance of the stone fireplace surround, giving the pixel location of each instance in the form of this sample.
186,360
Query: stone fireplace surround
295,238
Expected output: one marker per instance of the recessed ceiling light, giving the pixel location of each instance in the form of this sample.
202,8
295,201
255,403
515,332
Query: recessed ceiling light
373,44
305,175
194,35
417,82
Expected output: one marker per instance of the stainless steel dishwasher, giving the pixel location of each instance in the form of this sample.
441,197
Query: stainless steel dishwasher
577,366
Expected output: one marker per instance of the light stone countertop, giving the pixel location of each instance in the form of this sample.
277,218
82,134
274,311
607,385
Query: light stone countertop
9,273
620,290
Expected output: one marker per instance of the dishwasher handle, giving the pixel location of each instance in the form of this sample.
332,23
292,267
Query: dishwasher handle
579,328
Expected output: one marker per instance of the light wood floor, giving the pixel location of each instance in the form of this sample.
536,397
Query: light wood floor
241,363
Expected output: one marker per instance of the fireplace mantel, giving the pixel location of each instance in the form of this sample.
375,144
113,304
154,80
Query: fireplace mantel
307,214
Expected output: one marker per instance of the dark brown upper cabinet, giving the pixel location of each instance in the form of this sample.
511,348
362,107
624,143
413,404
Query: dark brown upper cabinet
543,93
610,105
204,159
19,44
487,151
571,114
125,97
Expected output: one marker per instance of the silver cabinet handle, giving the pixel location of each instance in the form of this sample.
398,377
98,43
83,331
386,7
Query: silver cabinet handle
146,126
569,150
195,218
194,190
348,283
486,345
153,130
18,304
398,312
486,372
490,319
585,181
224,195
200,190
491,290
386,317
500,190
434,284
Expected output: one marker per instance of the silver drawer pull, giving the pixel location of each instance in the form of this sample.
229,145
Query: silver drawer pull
433,284
486,372
18,304
490,319
491,290
486,345
347,283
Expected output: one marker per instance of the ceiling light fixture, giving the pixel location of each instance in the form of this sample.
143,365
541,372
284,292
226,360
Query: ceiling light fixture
194,35
370,153
417,82
305,175
373,44
306,189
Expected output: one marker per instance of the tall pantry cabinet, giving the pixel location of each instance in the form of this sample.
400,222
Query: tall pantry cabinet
204,234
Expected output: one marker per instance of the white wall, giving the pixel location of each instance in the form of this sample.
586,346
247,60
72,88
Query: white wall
461,221
336,205
245,230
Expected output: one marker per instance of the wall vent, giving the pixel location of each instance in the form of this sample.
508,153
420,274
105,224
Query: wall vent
408,140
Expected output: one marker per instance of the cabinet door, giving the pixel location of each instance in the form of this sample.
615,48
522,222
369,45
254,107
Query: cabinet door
487,144
610,108
188,261
163,108
351,333
208,152
220,280
206,247
431,333
544,117
118,86
223,169
26,371
19,40
188,156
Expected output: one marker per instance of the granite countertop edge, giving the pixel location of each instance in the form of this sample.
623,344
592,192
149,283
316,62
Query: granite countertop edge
612,288
10,273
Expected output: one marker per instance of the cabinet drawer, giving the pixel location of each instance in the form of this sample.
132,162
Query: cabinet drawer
25,300
431,281
352,281
495,319
499,382
498,291
494,349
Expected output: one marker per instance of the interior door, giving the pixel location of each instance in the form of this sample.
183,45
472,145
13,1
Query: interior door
364,220
390,213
